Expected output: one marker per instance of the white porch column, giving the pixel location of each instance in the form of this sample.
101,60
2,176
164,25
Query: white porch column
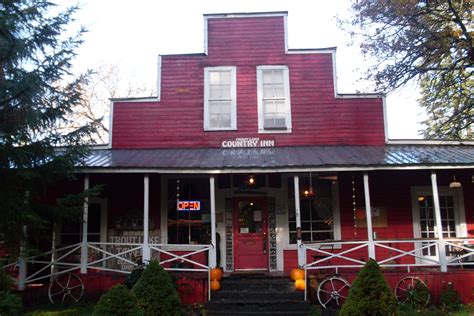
213,250
54,255
22,267
146,218
439,226
84,228
368,215
299,242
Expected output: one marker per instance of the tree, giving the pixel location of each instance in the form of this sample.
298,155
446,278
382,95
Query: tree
37,93
427,40
370,294
156,292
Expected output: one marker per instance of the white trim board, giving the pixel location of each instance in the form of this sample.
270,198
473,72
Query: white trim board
261,170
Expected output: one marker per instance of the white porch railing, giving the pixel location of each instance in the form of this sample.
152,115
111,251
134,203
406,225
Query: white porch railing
115,257
394,253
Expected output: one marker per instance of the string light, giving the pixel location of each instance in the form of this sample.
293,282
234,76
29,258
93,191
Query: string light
354,206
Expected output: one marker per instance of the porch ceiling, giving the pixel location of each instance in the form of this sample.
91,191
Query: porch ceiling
283,158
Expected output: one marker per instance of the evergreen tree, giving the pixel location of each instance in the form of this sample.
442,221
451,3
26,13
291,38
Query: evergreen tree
156,292
37,93
370,294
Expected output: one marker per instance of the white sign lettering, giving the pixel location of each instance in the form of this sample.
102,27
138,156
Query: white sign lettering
248,143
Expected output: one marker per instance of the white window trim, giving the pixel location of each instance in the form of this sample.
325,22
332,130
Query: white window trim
286,78
233,94
459,214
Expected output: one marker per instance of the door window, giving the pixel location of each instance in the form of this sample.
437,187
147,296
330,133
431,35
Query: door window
428,220
250,217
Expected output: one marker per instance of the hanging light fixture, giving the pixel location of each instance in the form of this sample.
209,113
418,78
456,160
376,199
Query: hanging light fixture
310,190
455,184
251,180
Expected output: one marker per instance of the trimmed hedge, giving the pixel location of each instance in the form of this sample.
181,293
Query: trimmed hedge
118,300
10,304
156,292
370,294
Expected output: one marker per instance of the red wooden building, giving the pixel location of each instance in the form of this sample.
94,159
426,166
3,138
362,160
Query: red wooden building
249,159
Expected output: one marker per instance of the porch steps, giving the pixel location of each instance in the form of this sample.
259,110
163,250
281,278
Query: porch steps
257,294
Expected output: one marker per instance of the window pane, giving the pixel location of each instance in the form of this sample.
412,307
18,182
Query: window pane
219,92
267,76
225,120
280,107
278,76
214,77
273,91
269,107
225,77
267,91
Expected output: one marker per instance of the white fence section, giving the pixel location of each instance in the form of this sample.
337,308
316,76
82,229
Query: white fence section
394,253
115,257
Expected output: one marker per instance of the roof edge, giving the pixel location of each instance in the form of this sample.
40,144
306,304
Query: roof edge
448,142
244,14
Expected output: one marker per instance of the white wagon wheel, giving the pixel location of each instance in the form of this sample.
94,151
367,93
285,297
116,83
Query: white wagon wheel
65,289
333,291
404,291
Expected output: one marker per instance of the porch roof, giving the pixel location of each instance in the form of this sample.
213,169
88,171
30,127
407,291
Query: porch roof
281,159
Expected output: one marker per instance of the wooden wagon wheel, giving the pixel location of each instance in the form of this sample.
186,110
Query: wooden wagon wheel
65,289
333,291
409,287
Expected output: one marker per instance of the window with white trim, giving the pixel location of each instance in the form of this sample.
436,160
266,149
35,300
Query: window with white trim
273,89
220,99
318,210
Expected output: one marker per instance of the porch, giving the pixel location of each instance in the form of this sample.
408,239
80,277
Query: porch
268,210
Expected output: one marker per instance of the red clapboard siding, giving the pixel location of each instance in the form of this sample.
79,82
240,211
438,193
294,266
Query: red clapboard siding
318,118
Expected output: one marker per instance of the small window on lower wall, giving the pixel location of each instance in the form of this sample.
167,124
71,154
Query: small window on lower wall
316,209
189,216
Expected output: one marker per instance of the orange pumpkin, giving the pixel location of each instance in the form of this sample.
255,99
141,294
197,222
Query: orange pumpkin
299,285
216,274
297,274
215,285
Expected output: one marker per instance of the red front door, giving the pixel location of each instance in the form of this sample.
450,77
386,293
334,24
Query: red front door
250,233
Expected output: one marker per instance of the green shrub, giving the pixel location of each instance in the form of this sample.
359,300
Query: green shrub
118,300
449,298
370,294
418,296
133,277
156,293
10,304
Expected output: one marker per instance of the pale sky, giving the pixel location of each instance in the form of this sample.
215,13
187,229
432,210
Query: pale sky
131,34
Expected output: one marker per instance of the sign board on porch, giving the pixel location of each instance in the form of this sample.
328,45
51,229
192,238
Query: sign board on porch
126,238
248,142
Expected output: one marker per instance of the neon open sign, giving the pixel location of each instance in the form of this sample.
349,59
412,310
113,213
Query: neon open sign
189,206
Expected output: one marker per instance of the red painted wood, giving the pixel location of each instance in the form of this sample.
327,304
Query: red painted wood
251,249
317,116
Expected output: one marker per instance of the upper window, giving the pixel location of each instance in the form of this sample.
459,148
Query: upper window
274,110
220,100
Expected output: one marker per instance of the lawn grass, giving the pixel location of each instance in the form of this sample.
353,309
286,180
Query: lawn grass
81,309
